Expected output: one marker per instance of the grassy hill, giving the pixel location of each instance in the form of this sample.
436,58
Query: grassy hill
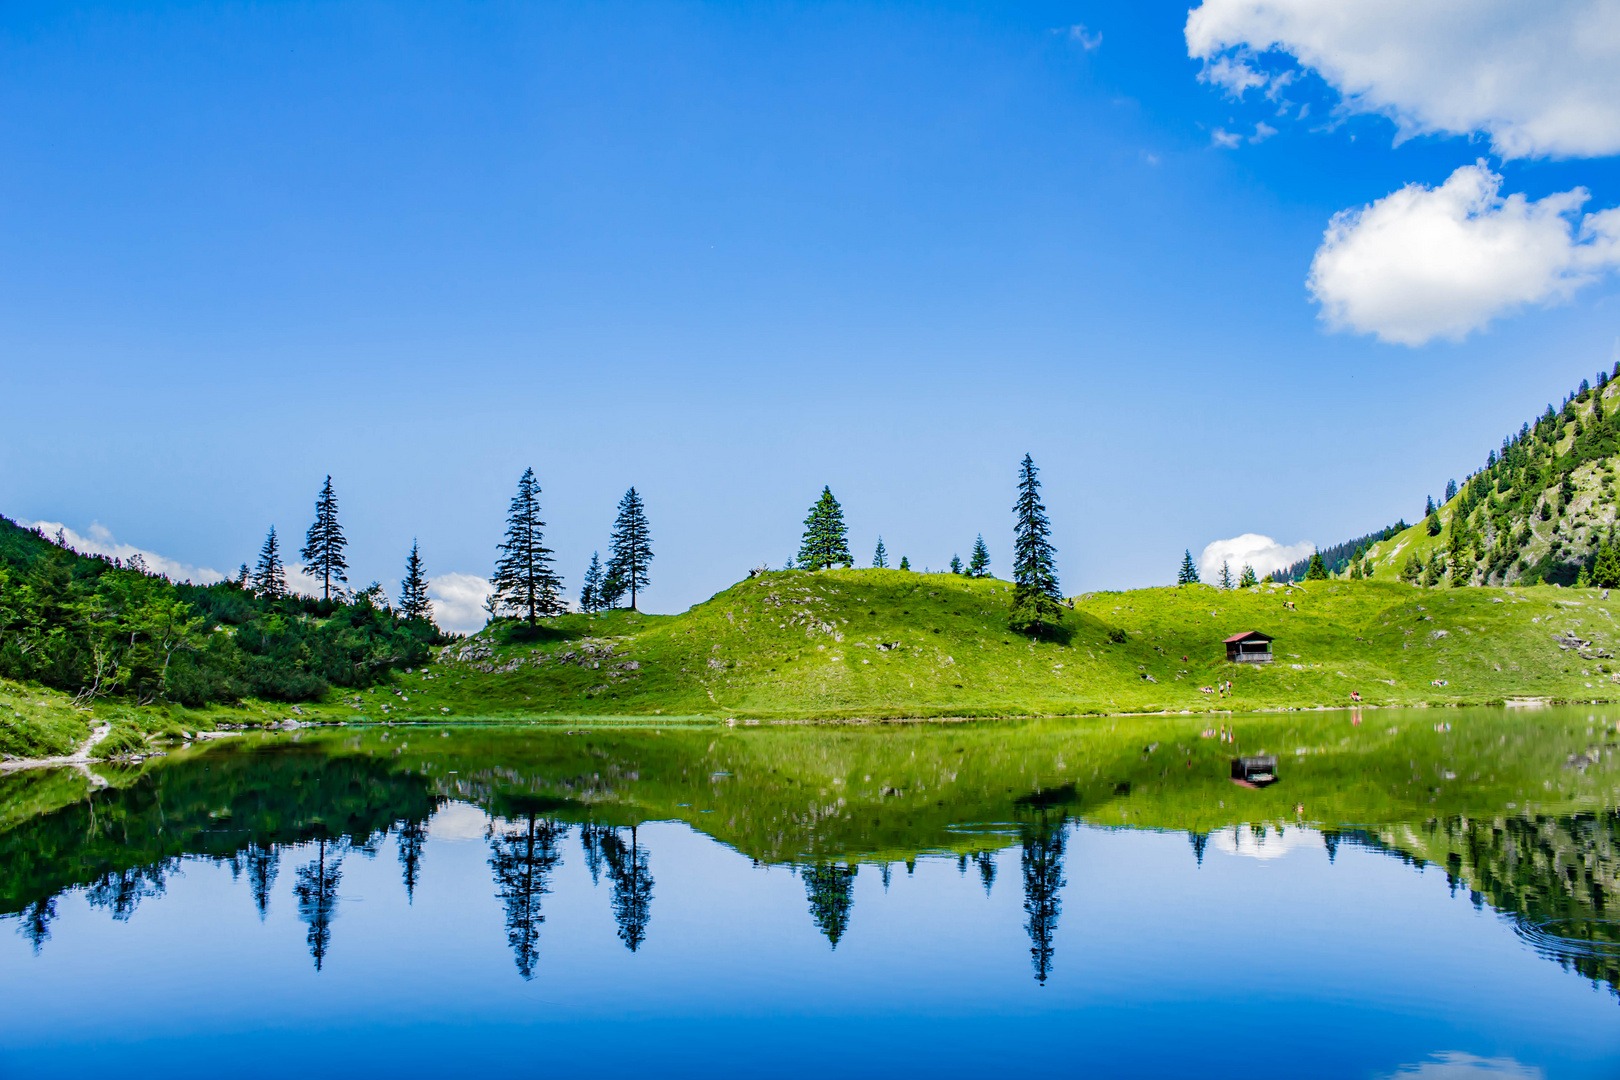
892,644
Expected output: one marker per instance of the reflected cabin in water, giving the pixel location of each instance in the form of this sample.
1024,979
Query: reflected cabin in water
1251,647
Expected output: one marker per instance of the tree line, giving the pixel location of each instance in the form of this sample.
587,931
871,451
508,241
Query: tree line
526,585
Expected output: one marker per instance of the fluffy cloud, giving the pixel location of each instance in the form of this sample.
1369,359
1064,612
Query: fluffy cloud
1427,262
458,601
1251,549
1541,79
101,542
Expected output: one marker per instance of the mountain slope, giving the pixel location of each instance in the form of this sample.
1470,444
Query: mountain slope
1539,511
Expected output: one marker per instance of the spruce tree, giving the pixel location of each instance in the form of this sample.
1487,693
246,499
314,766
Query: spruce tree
979,563
630,546
1188,574
905,563
826,540
524,582
1606,571
590,593
1247,579
1226,575
956,565
413,593
269,580
1035,594
242,577
1318,569
880,558
323,547
1451,490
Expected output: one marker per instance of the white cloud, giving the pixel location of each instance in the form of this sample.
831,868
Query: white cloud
1262,132
1456,1065
1423,262
1078,34
1251,549
1541,79
1224,139
458,602
102,542
1233,74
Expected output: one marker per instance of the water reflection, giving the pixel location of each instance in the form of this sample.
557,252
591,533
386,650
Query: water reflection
825,802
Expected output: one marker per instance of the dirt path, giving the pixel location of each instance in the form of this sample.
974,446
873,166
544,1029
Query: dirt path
80,758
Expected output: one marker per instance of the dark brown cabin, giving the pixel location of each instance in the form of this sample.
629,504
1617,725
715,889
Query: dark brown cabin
1252,647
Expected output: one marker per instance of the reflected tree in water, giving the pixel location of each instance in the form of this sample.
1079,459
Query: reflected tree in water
632,886
412,839
987,868
316,890
831,890
36,922
262,865
1042,862
522,858
590,839
121,891
1199,841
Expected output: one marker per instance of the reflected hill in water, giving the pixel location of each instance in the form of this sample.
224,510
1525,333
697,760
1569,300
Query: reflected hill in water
1519,808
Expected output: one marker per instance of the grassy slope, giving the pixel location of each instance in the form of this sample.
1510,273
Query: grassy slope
890,644
796,645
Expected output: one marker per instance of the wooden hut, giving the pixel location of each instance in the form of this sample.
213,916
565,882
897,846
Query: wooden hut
1250,647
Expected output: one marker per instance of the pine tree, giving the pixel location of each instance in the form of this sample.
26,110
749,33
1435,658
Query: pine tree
413,593
524,582
590,593
880,558
1606,571
1247,580
242,577
826,540
1226,575
269,580
1188,574
979,563
630,547
323,547
905,563
1428,505
1318,569
1451,490
1035,594
956,565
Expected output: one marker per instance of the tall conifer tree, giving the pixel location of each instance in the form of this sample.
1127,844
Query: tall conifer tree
956,565
1317,571
524,581
979,562
413,593
590,592
1188,574
323,547
1226,575
1035,594
269,580
630,546
826,539
1247,580
880,558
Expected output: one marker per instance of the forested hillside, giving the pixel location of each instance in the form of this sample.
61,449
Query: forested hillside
95,627
1542,510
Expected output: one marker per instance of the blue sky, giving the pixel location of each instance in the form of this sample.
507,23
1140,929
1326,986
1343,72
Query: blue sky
730,253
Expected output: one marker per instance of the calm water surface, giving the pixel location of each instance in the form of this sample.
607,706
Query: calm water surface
1418,894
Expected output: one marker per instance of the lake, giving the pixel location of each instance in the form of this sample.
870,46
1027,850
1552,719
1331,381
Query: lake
1421,893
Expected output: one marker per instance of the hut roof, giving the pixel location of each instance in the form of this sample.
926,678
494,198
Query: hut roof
1248,635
